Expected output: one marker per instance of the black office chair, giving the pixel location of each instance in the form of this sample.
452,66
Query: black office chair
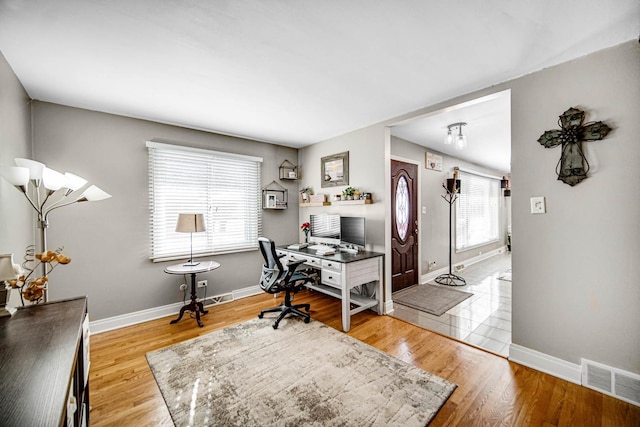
277,278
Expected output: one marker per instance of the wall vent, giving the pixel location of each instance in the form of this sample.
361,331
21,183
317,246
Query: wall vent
612,381
217,299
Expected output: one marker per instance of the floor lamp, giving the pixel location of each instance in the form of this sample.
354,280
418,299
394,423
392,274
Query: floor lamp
190,223
453,188
47,190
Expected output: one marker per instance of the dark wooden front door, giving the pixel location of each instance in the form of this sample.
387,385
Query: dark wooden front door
404,225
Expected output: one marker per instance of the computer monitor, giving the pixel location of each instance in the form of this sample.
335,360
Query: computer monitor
352,231
325,228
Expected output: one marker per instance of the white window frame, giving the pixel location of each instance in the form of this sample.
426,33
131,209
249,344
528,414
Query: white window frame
225,187
477,211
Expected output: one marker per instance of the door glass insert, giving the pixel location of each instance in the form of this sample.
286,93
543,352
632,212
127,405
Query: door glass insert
402,208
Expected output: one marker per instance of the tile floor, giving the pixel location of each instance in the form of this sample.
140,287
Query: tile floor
484,319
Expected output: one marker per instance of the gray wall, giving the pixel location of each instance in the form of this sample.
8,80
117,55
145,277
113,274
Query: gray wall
16,216
366,173
576,269
108,241
434,236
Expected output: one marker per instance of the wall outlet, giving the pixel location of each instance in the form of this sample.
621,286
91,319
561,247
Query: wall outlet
183,287
202,283
432,265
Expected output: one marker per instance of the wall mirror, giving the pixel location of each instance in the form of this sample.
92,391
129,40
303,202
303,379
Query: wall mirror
334,170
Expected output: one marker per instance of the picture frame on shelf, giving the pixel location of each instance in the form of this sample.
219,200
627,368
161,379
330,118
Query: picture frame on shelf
334,170
271,201
433,162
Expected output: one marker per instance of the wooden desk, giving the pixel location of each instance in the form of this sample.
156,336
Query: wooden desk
340,273
194,306
43,361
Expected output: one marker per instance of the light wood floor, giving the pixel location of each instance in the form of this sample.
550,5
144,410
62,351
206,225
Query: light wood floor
491,390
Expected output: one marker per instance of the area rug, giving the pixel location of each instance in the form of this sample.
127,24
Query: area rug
432,299
300,374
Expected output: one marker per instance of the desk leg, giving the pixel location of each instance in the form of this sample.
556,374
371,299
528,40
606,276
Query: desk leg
194,306
380,287
346,302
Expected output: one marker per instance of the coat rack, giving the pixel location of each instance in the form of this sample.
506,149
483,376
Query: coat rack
452,188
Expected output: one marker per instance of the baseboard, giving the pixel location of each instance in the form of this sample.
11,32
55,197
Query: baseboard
117,322
544,363
466,263
388,307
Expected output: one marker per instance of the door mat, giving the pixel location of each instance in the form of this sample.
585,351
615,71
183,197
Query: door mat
432,299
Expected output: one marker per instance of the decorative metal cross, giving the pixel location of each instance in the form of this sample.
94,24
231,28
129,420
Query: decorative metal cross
573,165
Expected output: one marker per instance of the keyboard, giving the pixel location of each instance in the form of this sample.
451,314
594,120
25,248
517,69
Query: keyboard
318,247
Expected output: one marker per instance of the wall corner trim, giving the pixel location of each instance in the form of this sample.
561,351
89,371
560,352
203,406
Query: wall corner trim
544,363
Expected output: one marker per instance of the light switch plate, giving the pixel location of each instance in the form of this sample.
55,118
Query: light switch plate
538,205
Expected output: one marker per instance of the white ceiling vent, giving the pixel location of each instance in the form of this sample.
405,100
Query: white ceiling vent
614,382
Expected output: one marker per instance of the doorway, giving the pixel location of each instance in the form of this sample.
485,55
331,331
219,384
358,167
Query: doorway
483,319
404,228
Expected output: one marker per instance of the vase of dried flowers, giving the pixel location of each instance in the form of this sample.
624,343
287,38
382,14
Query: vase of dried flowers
33,289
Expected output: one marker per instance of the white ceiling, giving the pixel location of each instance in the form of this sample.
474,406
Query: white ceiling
488,130
292,72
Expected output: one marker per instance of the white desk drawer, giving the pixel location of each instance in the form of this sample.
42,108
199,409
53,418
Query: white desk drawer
331,265
311,261
330,278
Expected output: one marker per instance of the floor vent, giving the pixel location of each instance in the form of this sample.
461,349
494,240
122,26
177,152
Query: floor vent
218,299
614,382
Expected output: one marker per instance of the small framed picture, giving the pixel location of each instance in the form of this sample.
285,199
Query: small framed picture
271,201
433,162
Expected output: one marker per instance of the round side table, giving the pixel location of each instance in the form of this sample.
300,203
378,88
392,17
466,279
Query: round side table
194,306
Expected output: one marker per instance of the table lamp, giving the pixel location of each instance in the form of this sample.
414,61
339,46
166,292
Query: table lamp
190,223
7,272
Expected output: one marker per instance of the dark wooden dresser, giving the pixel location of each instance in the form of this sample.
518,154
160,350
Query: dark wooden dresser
44,358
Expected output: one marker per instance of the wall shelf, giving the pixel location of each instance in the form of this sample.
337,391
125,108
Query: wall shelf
353,202
288,171
314,204
274,196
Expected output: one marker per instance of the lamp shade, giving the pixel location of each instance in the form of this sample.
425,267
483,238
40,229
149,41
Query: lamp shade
74,182
93,194
52,180
190,223
16,175
35,168
6,267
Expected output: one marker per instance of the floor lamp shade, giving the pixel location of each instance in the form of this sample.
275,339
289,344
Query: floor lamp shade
190,223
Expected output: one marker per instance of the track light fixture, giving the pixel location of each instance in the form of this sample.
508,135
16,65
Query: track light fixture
459,140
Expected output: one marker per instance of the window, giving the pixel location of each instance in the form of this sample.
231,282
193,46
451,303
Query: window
477,214
224,187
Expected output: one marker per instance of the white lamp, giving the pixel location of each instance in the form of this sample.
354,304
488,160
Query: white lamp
57,190
7,272
190,223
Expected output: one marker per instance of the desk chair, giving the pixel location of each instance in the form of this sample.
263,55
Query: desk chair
276,278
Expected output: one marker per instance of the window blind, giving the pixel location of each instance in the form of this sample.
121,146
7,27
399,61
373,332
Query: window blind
225,187
477,211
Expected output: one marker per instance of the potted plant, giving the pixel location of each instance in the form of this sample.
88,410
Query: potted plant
304,194
348,193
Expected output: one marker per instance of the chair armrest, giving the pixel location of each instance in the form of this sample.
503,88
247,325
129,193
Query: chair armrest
293,265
